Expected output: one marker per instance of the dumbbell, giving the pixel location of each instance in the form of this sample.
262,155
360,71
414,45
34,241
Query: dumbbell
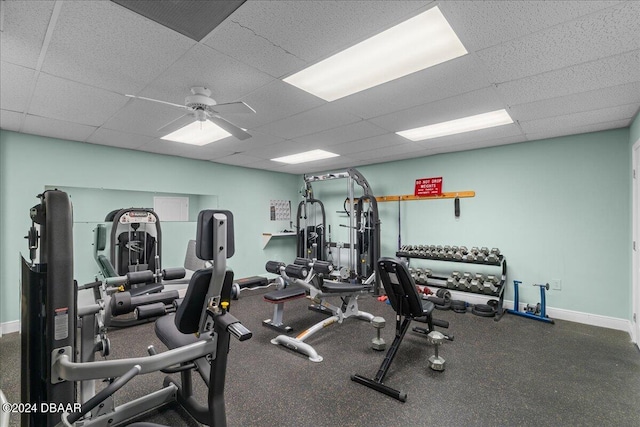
463,250
463,283
436,362
476,283
446,248
484,250
378,343
458,255
449,254
474,250
480,256
452,283
490,285
471,256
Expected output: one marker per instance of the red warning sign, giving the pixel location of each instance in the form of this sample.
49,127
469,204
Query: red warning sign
428,186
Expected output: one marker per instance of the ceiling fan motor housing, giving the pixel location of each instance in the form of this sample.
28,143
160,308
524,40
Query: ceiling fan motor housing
200,99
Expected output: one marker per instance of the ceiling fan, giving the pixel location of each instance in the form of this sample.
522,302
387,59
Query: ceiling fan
202,107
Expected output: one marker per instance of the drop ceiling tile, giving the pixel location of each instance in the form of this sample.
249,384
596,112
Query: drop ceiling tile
319,119
398,149
257,140
227,78
352,132
56,128
16,84
474,138
143,117
560,131
10,120
102,44
172,148
480,24
605,33
576,120
275,101
492,142
238,160
243,44
314,30
607,72
115,138
442,81
73,102
320,166
19,43
467,104
578,102
373,143
281,149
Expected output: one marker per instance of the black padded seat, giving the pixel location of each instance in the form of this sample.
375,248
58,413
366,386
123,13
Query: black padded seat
408,305
169,334
337,287
177,330
143,424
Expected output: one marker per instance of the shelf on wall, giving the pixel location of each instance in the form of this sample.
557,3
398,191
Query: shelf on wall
266,237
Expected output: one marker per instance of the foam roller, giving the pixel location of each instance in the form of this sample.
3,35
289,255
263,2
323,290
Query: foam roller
145,276
296,271
302,261
173,273
274,266
323,267
150,310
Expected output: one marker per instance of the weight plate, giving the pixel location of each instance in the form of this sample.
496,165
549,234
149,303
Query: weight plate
483,308
493,303
483,313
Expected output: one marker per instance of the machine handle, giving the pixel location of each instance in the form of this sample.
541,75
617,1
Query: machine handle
239,331
105,393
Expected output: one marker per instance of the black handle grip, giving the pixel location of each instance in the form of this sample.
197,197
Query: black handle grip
239,331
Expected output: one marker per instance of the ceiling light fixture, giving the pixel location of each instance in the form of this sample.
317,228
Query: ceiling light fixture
452,127
198,133
413,45
308,156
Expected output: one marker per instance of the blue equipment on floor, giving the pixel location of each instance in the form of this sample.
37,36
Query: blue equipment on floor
536,312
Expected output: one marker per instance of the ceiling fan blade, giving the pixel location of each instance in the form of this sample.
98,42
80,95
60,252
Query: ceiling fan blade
169,125
229,127
157,100
232,108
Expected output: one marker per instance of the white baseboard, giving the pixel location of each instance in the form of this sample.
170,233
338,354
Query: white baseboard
558,313
9,327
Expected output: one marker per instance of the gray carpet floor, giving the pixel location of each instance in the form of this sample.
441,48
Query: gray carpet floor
516,372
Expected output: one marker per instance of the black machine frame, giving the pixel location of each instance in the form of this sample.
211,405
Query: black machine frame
53,339
364,225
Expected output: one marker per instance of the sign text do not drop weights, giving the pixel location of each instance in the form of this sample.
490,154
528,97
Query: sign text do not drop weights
428,186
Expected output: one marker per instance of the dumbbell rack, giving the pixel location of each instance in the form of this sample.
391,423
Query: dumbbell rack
441,281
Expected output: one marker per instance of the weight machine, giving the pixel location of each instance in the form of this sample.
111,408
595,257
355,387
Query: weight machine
363,245
56,332
133,274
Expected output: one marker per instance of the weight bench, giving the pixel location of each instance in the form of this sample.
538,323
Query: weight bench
408,305
308,275
278,298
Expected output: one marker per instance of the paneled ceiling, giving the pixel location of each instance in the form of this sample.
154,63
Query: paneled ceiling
558,67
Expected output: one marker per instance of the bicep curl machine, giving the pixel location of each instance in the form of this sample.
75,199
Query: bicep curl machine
197,334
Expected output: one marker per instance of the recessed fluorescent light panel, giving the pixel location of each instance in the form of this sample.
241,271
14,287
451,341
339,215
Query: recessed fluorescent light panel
198,133
308,156
465,124
413,45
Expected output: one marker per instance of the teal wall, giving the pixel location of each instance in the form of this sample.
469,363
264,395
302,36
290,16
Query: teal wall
30,163
557,208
